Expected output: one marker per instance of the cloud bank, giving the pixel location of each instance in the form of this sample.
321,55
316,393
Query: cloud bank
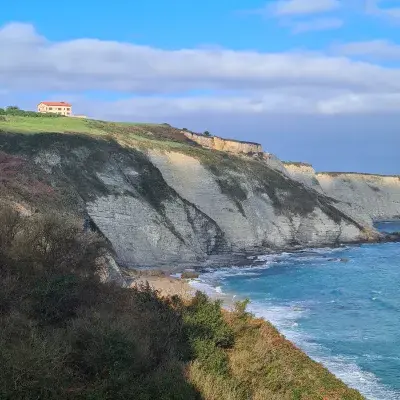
276,98
224,80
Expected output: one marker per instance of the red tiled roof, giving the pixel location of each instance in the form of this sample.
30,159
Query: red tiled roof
56,103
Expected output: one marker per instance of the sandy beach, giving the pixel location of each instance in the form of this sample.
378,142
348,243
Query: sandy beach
167,286
185,288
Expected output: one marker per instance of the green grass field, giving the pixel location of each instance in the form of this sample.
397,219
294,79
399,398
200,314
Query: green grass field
23,124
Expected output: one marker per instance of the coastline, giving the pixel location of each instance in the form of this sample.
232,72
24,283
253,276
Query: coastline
344,368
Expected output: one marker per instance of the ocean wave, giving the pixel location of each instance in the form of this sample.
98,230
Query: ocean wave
345,368
286,318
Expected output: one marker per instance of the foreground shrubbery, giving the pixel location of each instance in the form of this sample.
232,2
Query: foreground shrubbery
65,335
16,111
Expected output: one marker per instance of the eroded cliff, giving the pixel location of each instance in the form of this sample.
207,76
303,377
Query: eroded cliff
369,197
220,144
171,204
375,196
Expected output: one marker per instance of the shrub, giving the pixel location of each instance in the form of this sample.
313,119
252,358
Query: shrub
56,299
207,334
206,133
66,336
9,226
52,242
240,308
213,359
16,111
203,319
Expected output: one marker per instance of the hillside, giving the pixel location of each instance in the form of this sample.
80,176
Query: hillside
370,197
65,333
164,200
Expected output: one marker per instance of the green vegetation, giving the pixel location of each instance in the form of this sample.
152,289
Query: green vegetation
16,111
335,174
65,335
297,163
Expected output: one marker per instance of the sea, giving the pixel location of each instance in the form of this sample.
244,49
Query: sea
339,305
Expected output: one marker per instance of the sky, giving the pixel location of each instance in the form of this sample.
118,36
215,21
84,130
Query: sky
311,80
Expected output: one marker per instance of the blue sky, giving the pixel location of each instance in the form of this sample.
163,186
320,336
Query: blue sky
312,80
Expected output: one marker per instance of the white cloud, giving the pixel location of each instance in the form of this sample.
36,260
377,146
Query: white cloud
374,49
303,7
161,83
30,62
320,24
308,102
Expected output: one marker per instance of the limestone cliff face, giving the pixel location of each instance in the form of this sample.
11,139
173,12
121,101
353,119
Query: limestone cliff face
303,173
171,209
376,196
366,197
217,143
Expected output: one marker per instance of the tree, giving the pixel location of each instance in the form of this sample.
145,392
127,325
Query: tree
12,108
206,133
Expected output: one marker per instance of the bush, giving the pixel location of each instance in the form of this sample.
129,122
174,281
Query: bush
53,243
240,308
203,319
56,299
64,335
207,333
206,133
211,358
16,111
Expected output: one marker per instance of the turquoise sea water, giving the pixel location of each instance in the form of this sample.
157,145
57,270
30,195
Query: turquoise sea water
341,306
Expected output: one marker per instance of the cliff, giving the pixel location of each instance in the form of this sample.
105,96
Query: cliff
228,145
369,197
377,196
163,202
304,173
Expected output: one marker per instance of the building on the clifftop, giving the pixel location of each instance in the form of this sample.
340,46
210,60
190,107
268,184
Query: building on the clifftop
55,107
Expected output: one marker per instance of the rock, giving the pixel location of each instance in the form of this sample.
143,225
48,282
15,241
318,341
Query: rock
217,143
344,260
109,271
185,207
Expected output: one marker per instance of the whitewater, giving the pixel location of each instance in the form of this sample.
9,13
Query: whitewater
341,306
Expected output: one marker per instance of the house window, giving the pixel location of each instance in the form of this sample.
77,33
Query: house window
50,108
59,108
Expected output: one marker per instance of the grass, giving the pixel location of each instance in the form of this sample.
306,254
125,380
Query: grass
334,174
297,163
23,124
